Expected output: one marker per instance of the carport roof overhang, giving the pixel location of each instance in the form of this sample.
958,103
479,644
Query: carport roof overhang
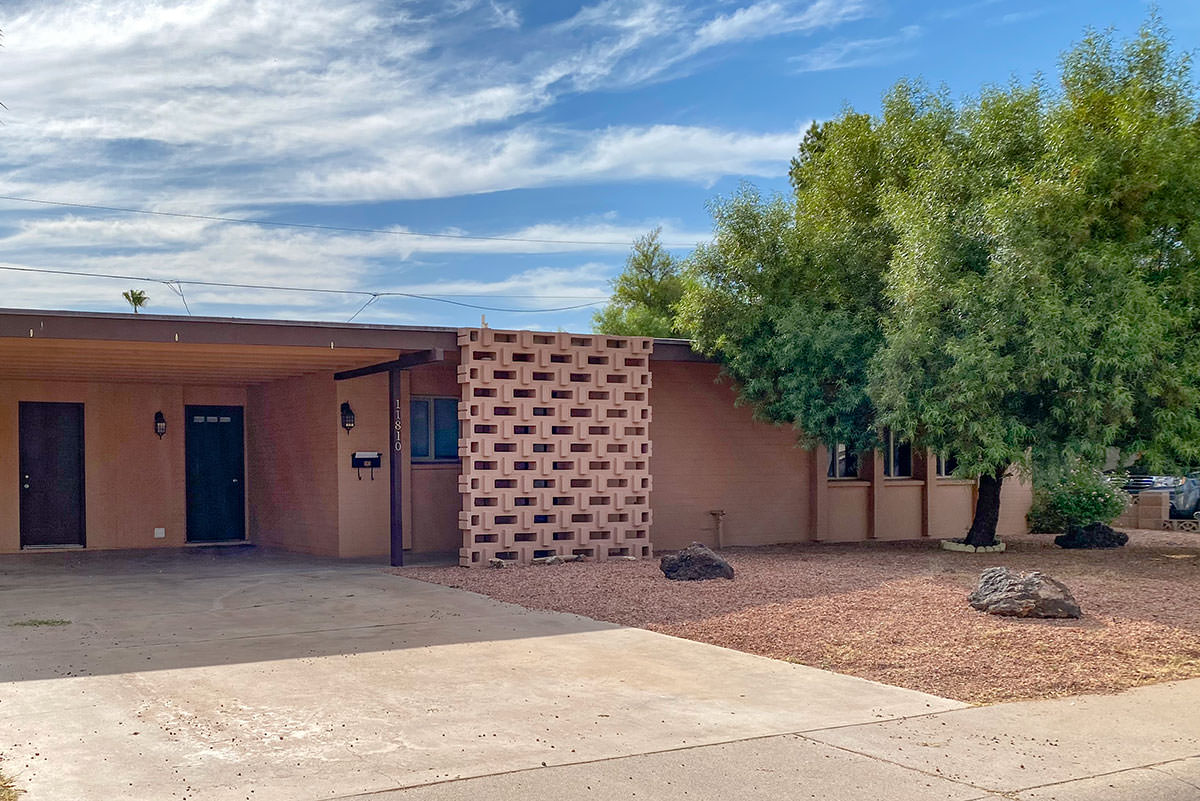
55,345
67,345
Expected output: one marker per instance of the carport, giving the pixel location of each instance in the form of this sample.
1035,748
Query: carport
143,431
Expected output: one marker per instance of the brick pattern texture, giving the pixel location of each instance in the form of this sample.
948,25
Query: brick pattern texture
555,445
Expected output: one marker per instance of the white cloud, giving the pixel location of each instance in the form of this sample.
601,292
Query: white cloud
844,54
235,107
134,101
166,249
763,19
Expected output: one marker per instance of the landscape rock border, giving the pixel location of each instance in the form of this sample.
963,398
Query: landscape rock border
959,545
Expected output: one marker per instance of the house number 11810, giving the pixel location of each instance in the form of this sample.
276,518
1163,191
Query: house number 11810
397,426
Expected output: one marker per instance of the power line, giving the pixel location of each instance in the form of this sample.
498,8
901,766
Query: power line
176,284
319,227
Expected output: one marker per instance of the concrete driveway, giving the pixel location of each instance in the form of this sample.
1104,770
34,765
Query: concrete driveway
230,674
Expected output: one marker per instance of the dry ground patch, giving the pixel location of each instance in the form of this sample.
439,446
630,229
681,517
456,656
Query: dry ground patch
896,612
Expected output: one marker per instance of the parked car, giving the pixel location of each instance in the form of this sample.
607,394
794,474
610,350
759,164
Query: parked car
1185,492
1185,499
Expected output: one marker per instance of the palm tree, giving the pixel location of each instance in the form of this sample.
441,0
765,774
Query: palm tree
136,298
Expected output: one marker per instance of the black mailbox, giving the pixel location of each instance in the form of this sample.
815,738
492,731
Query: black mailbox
364,459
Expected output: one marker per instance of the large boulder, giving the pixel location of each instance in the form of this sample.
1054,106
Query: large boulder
695,563
1006,592
1093,535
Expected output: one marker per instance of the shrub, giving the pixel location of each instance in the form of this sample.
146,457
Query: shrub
1078,496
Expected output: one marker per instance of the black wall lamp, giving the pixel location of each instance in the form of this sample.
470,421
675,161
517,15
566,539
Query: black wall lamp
160,424
347,416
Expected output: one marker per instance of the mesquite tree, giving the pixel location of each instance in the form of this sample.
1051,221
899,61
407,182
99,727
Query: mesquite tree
1008,275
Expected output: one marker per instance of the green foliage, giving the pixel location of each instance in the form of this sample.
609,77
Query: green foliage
135,298
645,294
1078,496
1044,287
789,292
1012,274
38,622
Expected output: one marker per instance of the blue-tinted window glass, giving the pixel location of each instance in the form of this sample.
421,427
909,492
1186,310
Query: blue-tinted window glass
445,428
418,425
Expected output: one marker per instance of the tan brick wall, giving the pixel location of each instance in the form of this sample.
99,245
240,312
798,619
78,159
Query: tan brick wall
292,451
133,481
710,455
555,445
364,505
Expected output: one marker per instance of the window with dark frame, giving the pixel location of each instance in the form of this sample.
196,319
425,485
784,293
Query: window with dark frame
897,456
843,462
946,465
433,429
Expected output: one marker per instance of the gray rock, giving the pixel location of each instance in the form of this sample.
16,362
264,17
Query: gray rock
497,563
1006,592
695,563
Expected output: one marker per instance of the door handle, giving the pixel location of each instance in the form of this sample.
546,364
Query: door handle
25,483
235,481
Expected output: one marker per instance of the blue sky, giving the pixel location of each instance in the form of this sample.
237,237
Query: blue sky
557,121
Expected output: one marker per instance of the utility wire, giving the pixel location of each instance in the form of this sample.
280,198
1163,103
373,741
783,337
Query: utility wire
179,283
318,227
363,307
178,290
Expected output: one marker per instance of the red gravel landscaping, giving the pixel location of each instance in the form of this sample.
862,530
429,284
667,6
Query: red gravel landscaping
897,612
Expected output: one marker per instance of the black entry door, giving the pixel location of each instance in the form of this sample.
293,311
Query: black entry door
51,465
216,487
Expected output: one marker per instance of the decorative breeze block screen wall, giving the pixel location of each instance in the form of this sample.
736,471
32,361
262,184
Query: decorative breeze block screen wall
555,445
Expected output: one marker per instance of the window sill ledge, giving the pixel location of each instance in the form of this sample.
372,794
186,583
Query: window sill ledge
847,482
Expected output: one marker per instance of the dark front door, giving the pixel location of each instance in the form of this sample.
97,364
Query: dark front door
216,487
51,465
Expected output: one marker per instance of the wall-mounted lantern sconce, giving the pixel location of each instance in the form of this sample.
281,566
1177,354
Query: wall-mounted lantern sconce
347,416
160,424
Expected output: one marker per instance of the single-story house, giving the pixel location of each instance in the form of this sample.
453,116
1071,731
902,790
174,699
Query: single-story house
142,431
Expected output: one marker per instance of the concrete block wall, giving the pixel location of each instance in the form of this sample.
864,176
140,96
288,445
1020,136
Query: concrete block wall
555,445
1151,509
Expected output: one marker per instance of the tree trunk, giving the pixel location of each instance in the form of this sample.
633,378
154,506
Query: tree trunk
987,510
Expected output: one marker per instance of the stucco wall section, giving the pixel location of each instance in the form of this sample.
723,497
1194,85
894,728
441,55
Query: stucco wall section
133,481
1016,498
292,450
951,508
710,455
555,445
900,516
849,511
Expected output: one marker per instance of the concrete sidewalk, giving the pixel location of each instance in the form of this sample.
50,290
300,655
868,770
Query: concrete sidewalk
1142,745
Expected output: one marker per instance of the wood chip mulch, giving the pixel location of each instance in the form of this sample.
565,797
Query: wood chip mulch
897,612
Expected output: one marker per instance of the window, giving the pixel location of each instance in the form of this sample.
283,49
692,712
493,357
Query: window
897,456
434,426
946,465
843,462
